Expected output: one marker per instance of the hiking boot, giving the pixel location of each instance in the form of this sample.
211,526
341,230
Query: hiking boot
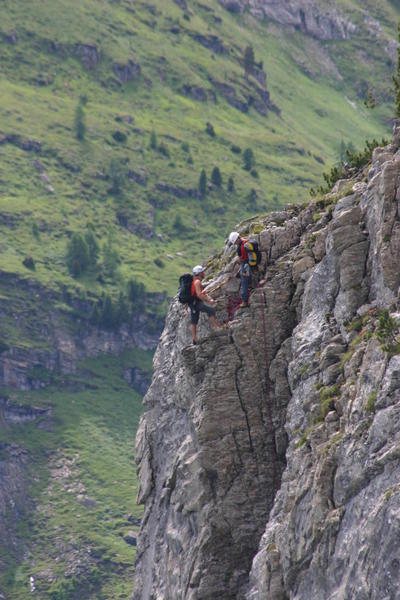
243,304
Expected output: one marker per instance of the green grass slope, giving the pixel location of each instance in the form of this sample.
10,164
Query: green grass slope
66,50
83,480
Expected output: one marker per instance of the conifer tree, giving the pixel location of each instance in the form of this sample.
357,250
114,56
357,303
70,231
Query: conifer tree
216,177
248,159
80,124
108,312
136,292
153,141
117,175
203,183
77,255
122,312
231,184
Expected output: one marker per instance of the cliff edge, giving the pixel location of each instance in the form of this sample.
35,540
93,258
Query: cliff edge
268,455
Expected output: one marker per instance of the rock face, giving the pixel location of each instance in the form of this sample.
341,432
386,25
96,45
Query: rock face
127,72
268,454
13,490
323,23
63,344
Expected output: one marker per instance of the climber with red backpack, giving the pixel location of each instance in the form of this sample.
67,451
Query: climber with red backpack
249,256
191,292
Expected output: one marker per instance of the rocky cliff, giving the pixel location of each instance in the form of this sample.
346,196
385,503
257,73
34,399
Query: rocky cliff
322,21
268,455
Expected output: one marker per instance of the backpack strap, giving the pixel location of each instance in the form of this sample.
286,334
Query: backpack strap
242,251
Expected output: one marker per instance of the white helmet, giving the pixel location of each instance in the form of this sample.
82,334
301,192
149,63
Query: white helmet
198,269
233,237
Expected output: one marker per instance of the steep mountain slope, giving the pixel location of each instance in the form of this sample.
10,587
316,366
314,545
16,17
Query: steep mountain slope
110,110
143,68
288,417
67,517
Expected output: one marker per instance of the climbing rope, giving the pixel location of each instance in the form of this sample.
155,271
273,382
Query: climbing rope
233,305
268,391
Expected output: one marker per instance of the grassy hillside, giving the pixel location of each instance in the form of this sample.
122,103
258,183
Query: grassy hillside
82,477
65,51
110,111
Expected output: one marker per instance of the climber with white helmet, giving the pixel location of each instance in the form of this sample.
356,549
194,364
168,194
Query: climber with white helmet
234,238
197,305
249,257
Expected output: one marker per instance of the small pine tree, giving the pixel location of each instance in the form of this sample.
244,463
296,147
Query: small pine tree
29,263
153,141
370,101
252,196
210,129
163,149
136,293
203,183
178,224
216,177
248,60
117,175
248,159
80,124
108,312
396,80
122,311
231,184
77,255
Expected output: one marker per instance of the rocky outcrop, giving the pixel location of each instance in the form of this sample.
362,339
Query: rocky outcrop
330,534
251,96
23,144
197,92
211,42
127,72
145,229
324,23
57,342
286,421
89,55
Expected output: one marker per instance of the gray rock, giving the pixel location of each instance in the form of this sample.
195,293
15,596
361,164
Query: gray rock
211,42
196,92
320,21
130,538
127,72
89,55
268,454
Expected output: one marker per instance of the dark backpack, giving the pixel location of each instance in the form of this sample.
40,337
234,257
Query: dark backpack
185,288
254,253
